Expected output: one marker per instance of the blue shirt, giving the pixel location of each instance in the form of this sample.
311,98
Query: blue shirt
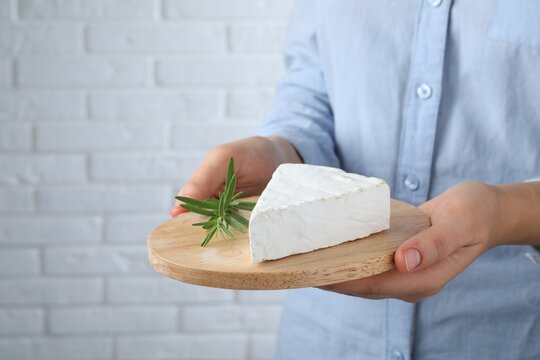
424,94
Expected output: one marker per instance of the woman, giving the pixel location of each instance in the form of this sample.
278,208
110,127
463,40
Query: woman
440,98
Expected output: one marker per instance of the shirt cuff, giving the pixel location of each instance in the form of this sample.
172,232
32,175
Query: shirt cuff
307,145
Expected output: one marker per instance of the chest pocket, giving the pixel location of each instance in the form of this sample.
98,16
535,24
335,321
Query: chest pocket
517,22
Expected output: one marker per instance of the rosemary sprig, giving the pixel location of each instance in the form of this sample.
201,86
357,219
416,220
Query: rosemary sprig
223,211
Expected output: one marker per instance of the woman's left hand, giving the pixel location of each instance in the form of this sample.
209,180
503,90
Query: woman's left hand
466,221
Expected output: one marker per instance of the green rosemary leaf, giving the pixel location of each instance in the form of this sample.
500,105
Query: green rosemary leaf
206,224
229,191
221,207
236,216
226,231
198,210
221,233
230,173
237,195
203,204
238,226
245,205
209,236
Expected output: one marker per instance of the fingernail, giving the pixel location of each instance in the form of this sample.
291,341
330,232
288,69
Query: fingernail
412,259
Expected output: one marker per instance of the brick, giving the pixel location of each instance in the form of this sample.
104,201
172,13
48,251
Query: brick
38,39
261,296
255,38
248,103
83,9
174,347
141,167
21,321
97,260
230,317
162,290
72,348
40,169
103,198
215,135
230,10
19,262
15,137
112,320
41,105
191,38
47,230
89,72
5,72
219,72
262,346
155,105
94,136
16,349
133,227
5,9
16,200
61,291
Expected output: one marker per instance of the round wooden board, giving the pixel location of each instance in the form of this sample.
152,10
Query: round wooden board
174,251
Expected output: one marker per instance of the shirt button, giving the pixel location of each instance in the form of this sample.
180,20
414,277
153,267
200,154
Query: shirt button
397,355
435,3
423,91
411,182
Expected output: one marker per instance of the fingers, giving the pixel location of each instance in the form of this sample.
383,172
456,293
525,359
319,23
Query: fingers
206,181
411,287
428,206
426,248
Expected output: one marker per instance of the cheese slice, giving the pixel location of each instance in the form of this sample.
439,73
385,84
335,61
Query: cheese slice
307,207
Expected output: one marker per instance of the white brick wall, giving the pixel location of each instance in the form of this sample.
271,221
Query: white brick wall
5,72
81,72
22,321
156,104
15,137
37,39
19,262
41,105
219,72
196,38
224,346
106,108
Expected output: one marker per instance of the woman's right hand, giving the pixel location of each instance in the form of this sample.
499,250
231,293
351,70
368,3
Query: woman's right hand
255,158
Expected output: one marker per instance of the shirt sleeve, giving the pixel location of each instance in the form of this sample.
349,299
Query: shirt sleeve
301,111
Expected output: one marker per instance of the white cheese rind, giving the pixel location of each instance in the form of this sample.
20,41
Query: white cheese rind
306,207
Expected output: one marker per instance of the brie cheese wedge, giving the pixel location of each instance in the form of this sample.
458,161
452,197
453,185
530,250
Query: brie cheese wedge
307,207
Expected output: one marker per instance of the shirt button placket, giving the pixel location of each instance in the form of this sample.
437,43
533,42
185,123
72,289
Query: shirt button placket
422,108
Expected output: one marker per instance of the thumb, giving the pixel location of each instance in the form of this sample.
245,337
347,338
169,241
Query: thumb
205,182
425,248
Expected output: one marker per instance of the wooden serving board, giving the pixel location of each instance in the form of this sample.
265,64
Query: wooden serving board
174,251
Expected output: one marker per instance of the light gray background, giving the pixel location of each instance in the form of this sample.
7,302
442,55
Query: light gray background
106,107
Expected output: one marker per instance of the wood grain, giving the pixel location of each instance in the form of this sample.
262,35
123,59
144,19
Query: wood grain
174,251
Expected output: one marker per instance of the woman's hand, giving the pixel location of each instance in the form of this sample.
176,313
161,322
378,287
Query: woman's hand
466,221
255,159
